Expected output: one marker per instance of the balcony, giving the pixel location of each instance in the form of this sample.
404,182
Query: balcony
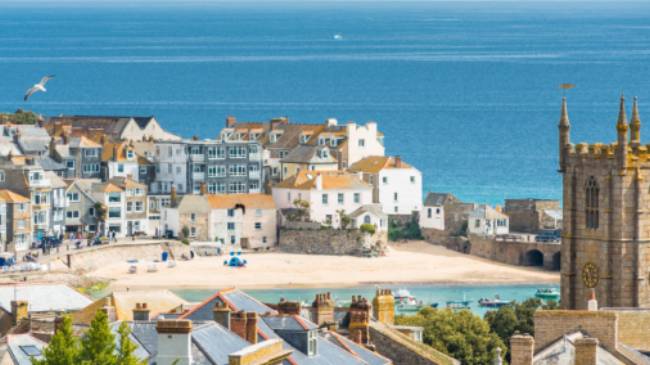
198,176
197,157
254,174
255,156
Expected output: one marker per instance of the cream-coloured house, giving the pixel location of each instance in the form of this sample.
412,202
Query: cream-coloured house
327,192
308,158
487,221
433,211
397,186
234,220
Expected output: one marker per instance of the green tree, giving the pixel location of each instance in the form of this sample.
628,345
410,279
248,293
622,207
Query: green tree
344,219
125,355
98,343
518,317
101,215
63,348
459,334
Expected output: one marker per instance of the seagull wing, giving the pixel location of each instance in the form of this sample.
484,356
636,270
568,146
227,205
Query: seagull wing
45,79
29,93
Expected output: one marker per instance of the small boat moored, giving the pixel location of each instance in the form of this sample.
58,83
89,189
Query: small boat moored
547,294
493,303
458,304
405,302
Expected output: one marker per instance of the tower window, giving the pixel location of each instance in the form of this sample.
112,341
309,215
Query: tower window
591,204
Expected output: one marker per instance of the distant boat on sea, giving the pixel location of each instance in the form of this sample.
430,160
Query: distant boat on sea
337,37
405,302
548,294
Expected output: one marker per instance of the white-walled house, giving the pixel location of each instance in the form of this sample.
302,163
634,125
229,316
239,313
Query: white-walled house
397,186
370,214
171,168
362,141
487,221
433,212
327,193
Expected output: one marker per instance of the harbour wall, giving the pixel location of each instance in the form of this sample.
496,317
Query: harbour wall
329,241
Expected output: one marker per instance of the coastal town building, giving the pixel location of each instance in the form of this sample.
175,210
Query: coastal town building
120,160
604,239
94,206
16,221
397,186
29,140
136,215
24,177
371,214
231,166
234,220
347,143
116,128
533,215
433,212
487,221
171,162
81,156
308,158
328,194
57,204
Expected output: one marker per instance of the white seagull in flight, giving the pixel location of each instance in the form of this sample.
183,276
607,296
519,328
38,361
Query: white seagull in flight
38,87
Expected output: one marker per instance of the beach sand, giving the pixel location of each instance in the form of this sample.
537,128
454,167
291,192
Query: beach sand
412,262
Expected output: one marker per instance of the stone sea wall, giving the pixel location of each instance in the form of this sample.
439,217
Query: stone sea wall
328,241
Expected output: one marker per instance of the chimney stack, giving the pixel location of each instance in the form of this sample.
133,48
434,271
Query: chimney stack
173,197
141,312
586,351
244,324
359,326
383,306
323,308
398,161
289,308
592,304
174,342
19,311
109,309
203,189
230,121
221,315
522,348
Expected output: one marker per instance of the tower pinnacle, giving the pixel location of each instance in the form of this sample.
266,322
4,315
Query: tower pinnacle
564,114
564,137
621,128
635,125
621,124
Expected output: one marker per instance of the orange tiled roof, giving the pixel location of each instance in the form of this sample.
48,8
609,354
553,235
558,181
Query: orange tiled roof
226,201
306,180
11,197
374,164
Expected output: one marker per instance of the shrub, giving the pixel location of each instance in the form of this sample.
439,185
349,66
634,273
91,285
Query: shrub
367,228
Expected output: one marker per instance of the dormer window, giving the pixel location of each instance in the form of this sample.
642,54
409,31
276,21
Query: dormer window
304,138
312,347
130,154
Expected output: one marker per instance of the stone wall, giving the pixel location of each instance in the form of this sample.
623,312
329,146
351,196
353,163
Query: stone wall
404,351
513,252
634,327
328,241
551,325
107,254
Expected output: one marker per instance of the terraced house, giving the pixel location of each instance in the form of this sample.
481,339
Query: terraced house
23,176
229,165
15,216
82,157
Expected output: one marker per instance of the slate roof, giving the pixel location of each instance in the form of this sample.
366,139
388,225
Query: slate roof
374,209
484,211
308,154
439,199
19,347
43,297
328,352
254,201
49,164
562,352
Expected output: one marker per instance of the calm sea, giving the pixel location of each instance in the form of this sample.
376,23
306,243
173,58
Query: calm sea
426,293
468,92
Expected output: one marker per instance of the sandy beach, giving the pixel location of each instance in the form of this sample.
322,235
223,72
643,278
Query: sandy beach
413,262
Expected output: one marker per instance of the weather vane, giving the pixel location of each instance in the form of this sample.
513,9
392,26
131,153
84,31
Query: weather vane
566,87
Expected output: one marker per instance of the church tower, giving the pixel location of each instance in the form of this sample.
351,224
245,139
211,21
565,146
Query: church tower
606,202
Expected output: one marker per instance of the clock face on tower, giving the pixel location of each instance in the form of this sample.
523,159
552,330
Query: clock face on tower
590,275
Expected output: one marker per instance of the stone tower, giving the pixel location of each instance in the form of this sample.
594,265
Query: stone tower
606,235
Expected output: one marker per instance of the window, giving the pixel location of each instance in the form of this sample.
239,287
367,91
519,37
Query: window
289,197
129,206
179,169
340,198
139,206
221,153
69,164
212,171
169,168
143,170
130,154
395,197
591,204
221,187
114,197
477,223
233,240
231,226
357,198
258,212
91,212
73,197
429,211
231,212
384,180
237,187
412,179
362,142
193,232
324,199
91,168
312,343
195,150
22,207
120,168
35,176
212,188
72,214
237,152
253,185
193,217
438,211
258,225
114,213
237,170
39,198
253,149
396,209
328,219
30,350
2,176
91,152
264,240
40,217
212,153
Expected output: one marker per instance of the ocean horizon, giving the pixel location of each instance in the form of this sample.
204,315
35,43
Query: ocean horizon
468,92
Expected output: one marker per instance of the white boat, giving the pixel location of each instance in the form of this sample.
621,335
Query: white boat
338,37
405,302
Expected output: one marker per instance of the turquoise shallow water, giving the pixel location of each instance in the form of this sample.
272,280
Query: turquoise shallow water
427,293
466,91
